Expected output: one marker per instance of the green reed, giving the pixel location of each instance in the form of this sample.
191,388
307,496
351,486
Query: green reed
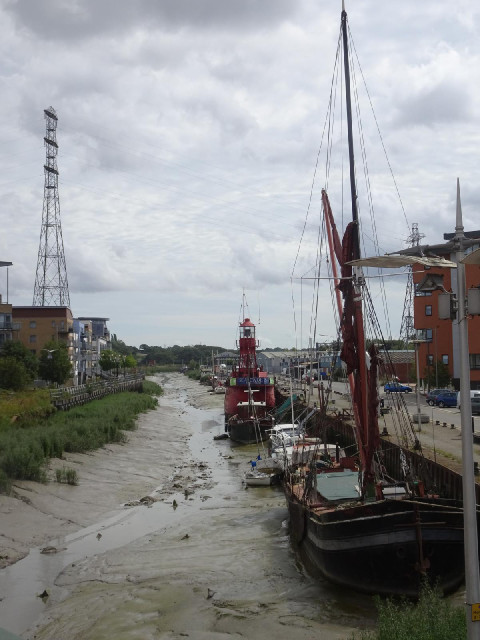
431,618
26,449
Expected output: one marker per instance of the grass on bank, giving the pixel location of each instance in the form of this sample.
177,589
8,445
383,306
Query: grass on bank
431,618
23,407
25,450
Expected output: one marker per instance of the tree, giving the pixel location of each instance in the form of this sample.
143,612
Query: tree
437,375
108,360
15,349
55,365
129,362
13,374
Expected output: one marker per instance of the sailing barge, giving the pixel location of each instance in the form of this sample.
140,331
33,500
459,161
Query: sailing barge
351,521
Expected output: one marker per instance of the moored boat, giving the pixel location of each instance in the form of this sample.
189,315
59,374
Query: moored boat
352,521
249,393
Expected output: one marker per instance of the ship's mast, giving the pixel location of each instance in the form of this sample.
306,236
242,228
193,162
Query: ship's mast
368,427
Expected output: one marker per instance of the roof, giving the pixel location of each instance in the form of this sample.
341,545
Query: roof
468,234
338,485
226,354
471,238
41,312
280,354
399,357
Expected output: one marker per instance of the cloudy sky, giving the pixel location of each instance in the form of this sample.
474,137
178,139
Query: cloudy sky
189,132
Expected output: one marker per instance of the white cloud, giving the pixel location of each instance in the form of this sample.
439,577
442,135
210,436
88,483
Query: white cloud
188,135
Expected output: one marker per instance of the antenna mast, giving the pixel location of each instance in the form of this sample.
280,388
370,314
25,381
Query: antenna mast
51,284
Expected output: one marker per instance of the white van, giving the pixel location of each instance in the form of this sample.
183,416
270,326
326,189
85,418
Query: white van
474,393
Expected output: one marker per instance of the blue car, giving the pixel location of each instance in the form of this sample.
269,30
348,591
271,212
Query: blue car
396,387
446,399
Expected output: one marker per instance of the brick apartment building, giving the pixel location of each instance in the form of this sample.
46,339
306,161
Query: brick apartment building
440,338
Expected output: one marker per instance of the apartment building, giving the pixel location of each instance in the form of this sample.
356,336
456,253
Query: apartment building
38,325
440,338
96,338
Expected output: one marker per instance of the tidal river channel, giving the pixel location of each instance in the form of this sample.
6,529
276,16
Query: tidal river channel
201,557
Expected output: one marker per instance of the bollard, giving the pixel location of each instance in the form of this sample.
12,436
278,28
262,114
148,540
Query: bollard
437,422
452,426
444,424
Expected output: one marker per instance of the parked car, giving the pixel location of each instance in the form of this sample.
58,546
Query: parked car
396,387
474,395
446,399
475,406
432,395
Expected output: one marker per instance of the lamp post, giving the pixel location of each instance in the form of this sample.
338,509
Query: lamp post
417,342
455,307
472,581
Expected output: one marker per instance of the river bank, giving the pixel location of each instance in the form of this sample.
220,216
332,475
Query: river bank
201,557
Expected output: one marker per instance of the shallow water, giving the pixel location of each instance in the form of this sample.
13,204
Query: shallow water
217,565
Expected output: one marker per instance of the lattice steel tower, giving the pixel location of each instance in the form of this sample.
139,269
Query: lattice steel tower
407,330
51,284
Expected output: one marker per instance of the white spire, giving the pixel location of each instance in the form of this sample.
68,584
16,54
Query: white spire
459,220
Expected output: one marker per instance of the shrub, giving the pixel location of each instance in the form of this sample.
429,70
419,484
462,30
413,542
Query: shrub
66,476
432,618
13,374
152,388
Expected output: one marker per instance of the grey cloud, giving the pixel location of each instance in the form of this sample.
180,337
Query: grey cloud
445,103
70,19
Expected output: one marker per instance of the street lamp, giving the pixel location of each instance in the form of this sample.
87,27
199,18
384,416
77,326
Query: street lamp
50,351
458,307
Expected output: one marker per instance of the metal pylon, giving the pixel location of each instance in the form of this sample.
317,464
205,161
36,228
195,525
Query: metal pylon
51,284
407,329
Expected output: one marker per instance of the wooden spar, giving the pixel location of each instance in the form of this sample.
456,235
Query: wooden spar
330,225
361,383
333,259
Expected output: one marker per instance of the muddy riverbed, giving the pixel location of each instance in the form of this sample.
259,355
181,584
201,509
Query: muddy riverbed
161,540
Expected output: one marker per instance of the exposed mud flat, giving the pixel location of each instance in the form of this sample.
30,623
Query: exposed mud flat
161,540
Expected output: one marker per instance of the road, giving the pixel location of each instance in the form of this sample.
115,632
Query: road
440,437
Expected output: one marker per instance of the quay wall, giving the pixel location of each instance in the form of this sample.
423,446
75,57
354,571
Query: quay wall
444,481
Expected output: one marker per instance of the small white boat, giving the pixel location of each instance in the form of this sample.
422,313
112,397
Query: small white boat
255,478
262,472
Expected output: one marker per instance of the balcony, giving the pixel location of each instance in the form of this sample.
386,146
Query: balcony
424,335
10,326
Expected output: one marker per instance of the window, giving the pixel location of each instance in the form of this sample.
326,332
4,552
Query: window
475,361
445,358
425,334
33,324
429,360
428,309
422,294
32,339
